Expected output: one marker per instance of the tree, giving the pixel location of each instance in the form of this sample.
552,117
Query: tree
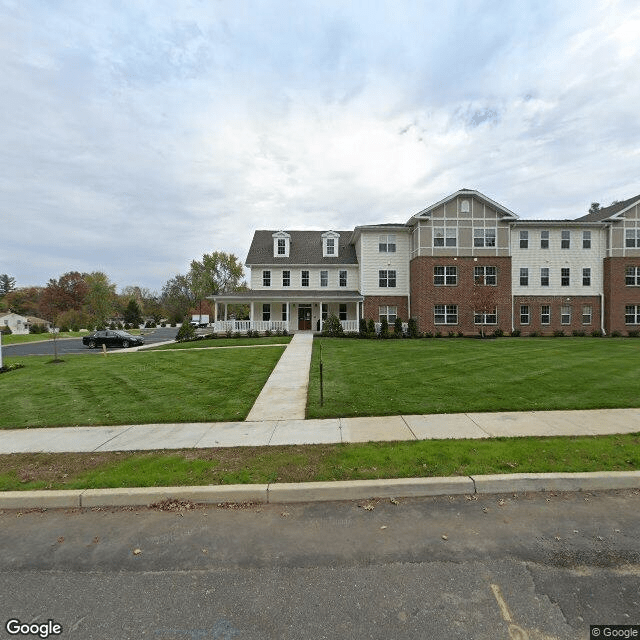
177,298
25,301
132,314
100,297
484,302
65,294
595,207
7,284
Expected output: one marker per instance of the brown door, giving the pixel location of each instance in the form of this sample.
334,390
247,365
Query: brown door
304,317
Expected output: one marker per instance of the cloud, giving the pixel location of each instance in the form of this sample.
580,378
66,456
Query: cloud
144,134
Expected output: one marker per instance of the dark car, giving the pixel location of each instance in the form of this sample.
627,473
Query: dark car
112,339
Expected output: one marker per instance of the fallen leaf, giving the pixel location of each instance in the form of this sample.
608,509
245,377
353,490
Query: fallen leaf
384,526
393,501
368,507
137,552
445,537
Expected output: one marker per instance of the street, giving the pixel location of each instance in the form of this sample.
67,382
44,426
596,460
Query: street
537,566
67,346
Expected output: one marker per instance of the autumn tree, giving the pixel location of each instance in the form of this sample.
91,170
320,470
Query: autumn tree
99,302
68,293
483,298
177,298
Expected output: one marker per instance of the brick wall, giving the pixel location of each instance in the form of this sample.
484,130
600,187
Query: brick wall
372,304
555,304
618,295
425,295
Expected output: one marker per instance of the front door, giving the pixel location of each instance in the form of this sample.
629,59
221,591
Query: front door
304,317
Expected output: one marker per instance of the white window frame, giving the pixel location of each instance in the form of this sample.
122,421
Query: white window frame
545,316
387,244
489,275
324,278
525,314
266,312
544,276
286,278
632,276
587,314
484,237
445,237
304,278
266,278
565,276
389,312
632,238
342,278
387,278
565,314
544,239
632,314
524,239
448,314
565,239
485,317
524,276
586,276
586,239
445,276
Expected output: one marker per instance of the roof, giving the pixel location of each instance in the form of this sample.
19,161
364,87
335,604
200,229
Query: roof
469,193
287,294
305,248
610,211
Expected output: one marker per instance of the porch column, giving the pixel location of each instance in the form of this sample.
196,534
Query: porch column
215,311
288,316
226,306
251,315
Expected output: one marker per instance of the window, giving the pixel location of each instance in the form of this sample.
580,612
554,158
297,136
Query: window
325,311
445,236
390,313
632,276
284,311
281,242
304,279
464,206
545,314
485,275
286,278
524,239
324,278
342,312
331,247
342,279
586,239
282,247
330,244
565,314
446,314
387,244
587,314
565,278
266,278
266,312
544,276
485,317
445,276
632,314
524,314
484,237
632,238
586,277
544,239
524,276
386,278
565,242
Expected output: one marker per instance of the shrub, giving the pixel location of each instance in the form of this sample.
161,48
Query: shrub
515,333
498,333
371,327
452,334
268,333
285,332
578,334
384,328
559,333
633,333
185,332
534,334
615,334
362,328
596,334
229,333
438,334
397,328
11,367
429,335
412,328
332,327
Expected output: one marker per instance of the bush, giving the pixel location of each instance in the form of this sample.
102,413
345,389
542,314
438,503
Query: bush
616,334
452,334
229,333
515,333
559,333
11,367
596,334
397,328
268,332
412,328
362,328
332,327
498,333
185,333
534,334
634,333
578,334
429,335
371,327
384,328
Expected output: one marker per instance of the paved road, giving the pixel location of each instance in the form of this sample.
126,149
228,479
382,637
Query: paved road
531,567
74,345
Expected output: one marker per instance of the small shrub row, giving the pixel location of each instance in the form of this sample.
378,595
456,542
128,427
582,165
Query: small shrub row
11,367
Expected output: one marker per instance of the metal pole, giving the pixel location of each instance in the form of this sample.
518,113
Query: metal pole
0,349
321,381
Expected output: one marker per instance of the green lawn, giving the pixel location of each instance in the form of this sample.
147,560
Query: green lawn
451,375
242,465
133,388
225,342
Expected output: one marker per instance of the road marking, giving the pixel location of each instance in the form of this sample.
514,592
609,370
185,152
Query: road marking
515,632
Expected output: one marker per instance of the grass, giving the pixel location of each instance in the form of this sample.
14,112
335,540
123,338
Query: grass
225,342
135,388
242,465
454,375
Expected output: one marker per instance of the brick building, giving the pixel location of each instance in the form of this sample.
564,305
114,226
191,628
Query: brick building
463,264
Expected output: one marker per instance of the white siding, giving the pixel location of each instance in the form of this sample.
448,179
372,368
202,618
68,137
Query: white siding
372,261
314,277
555,258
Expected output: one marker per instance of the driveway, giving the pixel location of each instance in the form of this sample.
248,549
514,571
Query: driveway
68,346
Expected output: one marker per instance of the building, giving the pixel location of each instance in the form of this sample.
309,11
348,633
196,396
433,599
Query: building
459,265
21,325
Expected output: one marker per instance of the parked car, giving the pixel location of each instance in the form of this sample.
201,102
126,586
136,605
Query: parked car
112,339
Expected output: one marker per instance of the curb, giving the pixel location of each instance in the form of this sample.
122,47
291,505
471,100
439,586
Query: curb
324,491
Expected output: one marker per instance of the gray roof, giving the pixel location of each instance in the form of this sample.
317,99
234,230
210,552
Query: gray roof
607,212
305,248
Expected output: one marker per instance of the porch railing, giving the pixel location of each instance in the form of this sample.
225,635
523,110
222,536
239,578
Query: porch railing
242,326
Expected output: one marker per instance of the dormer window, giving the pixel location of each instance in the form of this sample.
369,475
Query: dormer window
330,244
281,244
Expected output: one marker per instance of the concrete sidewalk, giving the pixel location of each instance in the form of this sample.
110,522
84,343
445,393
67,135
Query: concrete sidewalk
335,430
284,396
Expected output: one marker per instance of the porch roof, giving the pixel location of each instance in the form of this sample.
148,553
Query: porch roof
296,295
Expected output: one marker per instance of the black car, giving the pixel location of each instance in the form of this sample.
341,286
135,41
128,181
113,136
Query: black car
112,339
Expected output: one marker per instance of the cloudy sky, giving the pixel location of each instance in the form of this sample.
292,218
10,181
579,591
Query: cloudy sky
139,134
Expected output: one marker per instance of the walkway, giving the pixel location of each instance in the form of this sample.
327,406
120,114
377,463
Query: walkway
298,431
284,396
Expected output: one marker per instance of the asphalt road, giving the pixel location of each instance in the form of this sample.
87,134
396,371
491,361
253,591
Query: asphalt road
536,567
74,345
